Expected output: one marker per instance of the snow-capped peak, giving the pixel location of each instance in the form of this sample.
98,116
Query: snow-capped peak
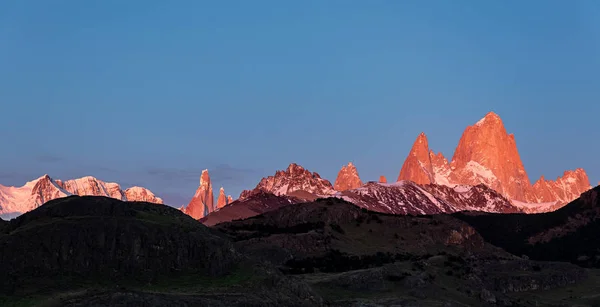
18,200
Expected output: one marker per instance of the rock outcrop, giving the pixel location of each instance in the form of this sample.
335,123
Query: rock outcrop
229,199
203,201
295,179
222,199
347,178
382,179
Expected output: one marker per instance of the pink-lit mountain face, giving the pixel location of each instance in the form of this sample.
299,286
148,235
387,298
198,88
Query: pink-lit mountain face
487,154
294,180
347,178
18,200
203,202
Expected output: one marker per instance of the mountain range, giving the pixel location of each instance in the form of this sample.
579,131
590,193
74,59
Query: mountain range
17,200
485,174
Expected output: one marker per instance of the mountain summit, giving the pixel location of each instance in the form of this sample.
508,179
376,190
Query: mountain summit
423,166
203,201
222,200
487,154
417,166
347,178
295,179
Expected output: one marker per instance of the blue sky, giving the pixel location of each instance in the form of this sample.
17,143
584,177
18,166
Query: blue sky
151,92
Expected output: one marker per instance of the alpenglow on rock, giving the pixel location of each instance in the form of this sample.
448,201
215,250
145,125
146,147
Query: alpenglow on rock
422,166
142,194
18,200
417,166
407,197
222,199
487,154
203,201
564,189
347,178
294,179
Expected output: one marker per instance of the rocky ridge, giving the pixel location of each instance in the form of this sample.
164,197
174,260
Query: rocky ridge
407,197
294,179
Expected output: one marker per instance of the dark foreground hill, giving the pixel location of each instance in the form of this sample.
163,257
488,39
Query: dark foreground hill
567,234
97,251
352,256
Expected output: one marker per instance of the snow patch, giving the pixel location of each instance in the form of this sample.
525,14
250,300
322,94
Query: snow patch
481,171
441,179
282,190
480,122
15,201
522,204
571,180
462,188
395,184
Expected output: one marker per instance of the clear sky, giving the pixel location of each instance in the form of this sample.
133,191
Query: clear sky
151,92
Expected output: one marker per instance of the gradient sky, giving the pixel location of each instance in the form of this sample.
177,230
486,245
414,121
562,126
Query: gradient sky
151,92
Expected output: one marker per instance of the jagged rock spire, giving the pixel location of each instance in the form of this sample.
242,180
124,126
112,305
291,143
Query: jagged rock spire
417,166
347,178
222,200
203,201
